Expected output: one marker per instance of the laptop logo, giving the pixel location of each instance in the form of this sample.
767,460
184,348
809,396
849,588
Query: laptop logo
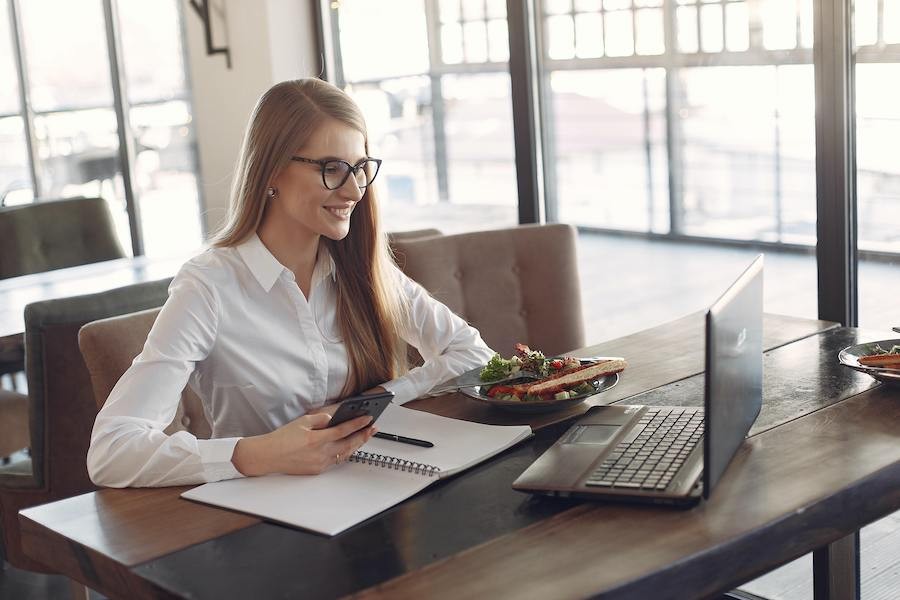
741,339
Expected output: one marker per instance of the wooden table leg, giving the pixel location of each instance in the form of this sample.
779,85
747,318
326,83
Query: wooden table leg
836,570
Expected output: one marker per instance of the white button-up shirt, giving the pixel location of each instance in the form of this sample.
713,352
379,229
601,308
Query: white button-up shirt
237,329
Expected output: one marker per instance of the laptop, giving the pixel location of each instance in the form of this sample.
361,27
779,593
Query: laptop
668,455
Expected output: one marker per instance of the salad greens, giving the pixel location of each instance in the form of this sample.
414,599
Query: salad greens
500,368
525,359
895,349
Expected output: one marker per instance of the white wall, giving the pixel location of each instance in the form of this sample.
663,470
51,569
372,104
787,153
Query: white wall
269,42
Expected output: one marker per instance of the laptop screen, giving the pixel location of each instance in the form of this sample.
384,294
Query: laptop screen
733,392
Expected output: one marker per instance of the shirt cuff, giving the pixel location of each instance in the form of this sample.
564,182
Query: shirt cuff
404,390
215,456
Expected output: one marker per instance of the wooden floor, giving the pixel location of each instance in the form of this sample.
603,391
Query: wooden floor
629,284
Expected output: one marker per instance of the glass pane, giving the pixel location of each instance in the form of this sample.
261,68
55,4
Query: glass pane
616,4
79,157
711,28
587,5
619,33
877,167
449,11
496,9
472,9
686,16
609,142
165,179
806,23
892,21
451,43
393,55
557,7
562,37
589,35
9,91
152,50
399,116
68,64
865,22
480,156
15,178
650,35
737,27
757,182
779,25
498,41
475,42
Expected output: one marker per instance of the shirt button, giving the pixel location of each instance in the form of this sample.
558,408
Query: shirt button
516,270
523,312
457,274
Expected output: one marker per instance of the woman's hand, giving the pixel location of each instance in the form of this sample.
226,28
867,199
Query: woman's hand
305,446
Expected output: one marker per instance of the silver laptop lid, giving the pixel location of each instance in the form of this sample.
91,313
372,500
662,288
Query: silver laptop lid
733,389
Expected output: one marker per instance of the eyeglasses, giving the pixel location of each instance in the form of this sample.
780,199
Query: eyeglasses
335,171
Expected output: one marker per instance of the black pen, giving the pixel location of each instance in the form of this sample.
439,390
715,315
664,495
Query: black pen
403,439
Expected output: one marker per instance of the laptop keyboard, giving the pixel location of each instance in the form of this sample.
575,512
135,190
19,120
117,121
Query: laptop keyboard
650,459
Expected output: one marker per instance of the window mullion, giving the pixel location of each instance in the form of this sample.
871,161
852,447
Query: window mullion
27,111
126,140
836,250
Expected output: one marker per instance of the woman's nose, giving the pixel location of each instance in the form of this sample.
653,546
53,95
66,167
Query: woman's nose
351,188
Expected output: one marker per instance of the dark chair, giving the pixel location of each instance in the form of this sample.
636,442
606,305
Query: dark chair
53,234
514,285
62,407
47,235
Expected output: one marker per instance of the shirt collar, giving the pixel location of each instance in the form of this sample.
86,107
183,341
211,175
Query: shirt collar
266,268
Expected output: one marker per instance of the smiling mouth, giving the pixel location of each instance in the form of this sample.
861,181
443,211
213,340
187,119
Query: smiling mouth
342,212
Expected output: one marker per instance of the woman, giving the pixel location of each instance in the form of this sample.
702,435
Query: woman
296,305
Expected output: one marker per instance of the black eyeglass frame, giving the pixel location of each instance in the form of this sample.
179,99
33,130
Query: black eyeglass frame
350,169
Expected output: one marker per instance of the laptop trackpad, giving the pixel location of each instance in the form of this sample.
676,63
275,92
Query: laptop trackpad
591,434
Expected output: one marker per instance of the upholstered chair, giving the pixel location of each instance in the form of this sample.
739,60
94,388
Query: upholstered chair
53,234
13,422
514,285
110,345
42,236
61,402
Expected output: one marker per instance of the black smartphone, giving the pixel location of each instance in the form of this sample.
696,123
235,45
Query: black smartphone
357,406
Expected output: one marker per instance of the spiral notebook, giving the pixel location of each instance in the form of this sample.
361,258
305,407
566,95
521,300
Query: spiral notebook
379,475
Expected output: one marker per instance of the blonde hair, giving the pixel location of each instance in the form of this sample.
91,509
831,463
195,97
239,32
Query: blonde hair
369,307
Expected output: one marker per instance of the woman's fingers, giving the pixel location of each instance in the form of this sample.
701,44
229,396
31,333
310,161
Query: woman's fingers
346,428
317,420
350,444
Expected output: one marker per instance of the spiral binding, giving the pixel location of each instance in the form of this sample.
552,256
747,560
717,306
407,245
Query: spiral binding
392,462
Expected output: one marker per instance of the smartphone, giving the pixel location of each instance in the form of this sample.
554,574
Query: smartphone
357,406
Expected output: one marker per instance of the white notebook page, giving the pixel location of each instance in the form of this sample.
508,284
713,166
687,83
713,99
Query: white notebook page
352,492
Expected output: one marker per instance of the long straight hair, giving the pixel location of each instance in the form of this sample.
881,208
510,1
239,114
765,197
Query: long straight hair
369,305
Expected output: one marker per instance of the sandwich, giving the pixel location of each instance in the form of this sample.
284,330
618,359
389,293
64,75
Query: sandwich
571,381
888,361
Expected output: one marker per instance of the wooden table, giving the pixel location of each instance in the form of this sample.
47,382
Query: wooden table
17,292
823,460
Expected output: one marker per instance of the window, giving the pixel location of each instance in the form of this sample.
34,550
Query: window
437,101
73,126
877,57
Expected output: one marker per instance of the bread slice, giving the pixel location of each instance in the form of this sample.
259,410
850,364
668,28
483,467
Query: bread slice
558,383
880,360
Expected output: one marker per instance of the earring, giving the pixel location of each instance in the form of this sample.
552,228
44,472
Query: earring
271,193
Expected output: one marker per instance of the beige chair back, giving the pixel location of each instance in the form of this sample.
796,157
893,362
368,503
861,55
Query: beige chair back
110,345
514,285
